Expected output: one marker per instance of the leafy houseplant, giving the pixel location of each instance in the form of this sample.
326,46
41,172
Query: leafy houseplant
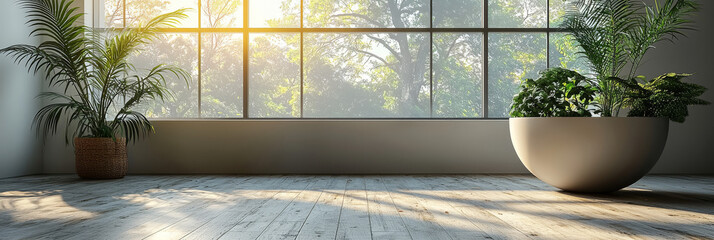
609,153
617,34
557,93
93,72
665,96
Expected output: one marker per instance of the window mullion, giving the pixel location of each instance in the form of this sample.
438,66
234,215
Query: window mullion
200,63
123,19
246,60
431,59
302,61
485,59
547,34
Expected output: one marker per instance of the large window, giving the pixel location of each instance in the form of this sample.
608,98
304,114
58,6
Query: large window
348,58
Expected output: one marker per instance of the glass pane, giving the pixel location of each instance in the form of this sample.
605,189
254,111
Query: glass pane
366,75
113,14
512,58
557,12
180,50
458,14
564,52
517,13
274,75
139,12
221,13
366,14
222,75
275,13
458,75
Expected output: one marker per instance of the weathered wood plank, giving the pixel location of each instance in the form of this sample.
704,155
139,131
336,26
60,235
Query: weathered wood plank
420,223
354,220
467,222
253,210
141,208
324,217
350,207
282,224
72,204
641,217
384,216
288,223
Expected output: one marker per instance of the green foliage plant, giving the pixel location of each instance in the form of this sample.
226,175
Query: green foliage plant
92,70
615,35
665,96
558,92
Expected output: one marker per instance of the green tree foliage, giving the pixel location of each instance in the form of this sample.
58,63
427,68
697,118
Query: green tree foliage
458,14
356,74
222,75
665,96
275,75
93,71
513,57
458,91
177,50
517,13
558,92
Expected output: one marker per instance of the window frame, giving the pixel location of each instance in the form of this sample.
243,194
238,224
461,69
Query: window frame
246,30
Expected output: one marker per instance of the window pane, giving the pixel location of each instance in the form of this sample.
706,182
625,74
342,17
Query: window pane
366,75
512,58
458,14
139,12
366,14
458,75
113,14
557,12
173,49
222,75
517,13
275,13
274,75
222,13
564,52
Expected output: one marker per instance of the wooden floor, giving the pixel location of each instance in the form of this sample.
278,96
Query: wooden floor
350,207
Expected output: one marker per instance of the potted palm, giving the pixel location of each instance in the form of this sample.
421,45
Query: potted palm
552,129
91,70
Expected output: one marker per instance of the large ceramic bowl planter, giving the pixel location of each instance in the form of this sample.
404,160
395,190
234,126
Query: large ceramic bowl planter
100,158
589,154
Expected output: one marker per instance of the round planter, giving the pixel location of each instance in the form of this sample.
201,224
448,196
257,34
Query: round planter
595,154
100,158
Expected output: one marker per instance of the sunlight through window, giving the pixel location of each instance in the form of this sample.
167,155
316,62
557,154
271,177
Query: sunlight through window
347,58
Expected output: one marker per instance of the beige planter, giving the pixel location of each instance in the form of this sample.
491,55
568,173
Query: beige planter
100,158
589,154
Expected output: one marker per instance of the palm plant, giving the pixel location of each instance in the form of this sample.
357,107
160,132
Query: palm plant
616,34
92,70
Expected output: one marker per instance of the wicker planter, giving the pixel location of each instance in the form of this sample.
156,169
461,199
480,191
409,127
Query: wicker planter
100,158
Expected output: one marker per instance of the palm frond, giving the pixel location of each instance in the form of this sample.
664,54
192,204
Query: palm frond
615,34
132,125
47,118
665,22
599,27
92,70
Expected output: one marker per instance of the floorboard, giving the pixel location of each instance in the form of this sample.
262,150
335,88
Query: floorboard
350,207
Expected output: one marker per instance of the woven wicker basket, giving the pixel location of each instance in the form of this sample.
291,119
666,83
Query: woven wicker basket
100,158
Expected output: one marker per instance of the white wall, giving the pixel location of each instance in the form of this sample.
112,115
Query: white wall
396,146
20,153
